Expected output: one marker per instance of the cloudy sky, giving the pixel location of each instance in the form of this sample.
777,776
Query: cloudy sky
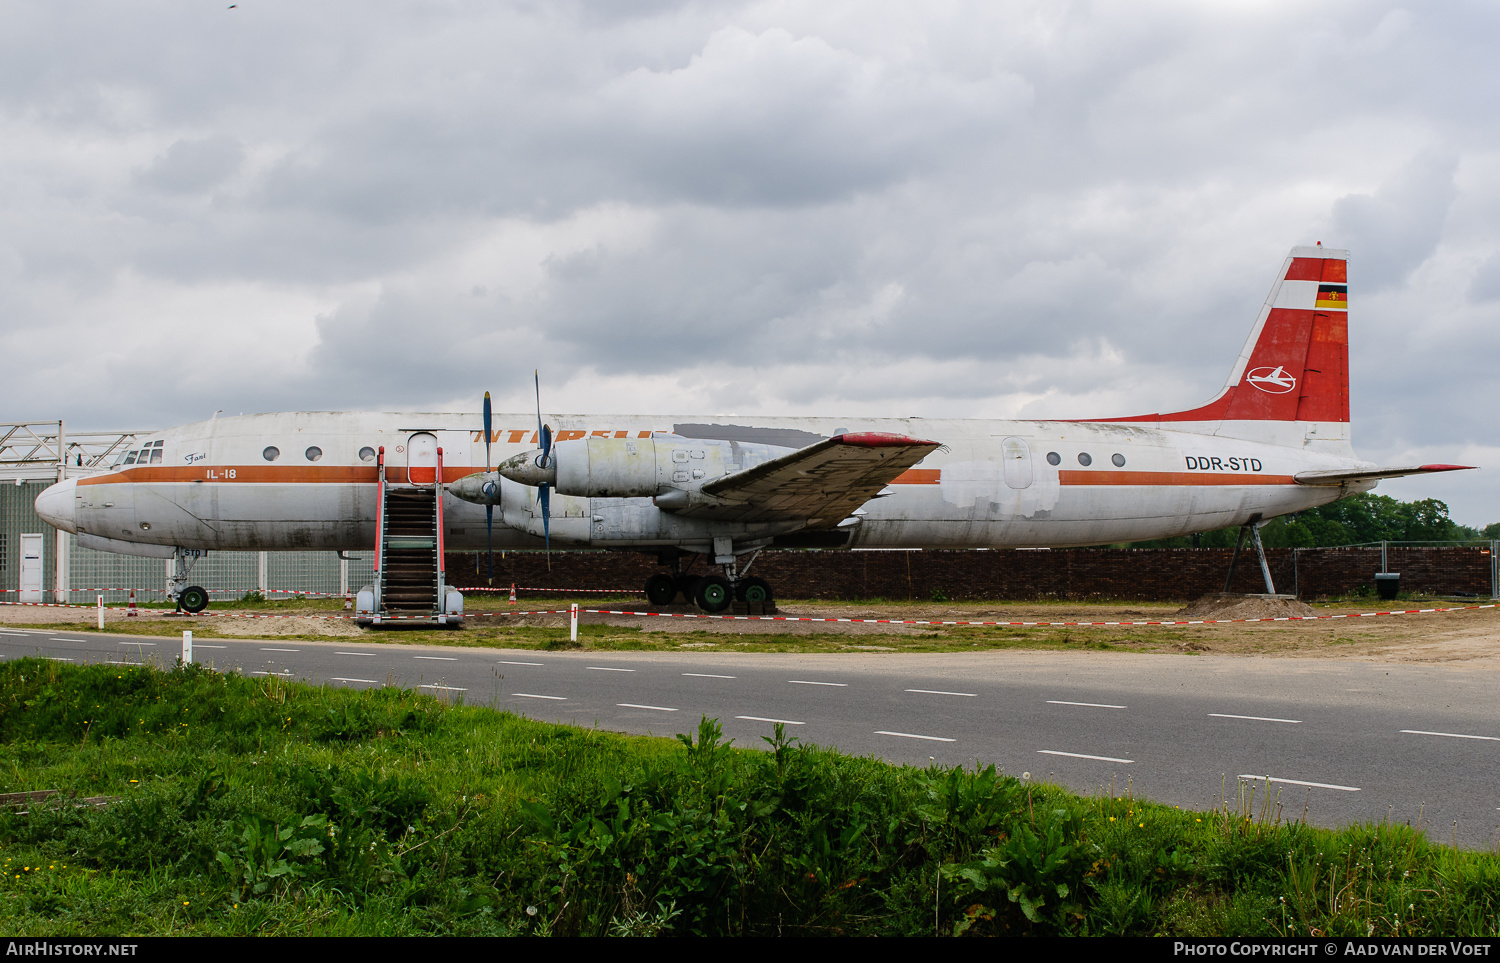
1023,209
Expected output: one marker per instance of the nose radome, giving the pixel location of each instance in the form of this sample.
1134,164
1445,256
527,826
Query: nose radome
55,505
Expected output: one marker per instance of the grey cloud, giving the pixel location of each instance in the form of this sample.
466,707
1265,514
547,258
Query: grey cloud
1486,283
193,165
1399,226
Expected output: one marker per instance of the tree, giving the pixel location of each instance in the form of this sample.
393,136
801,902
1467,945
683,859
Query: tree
1348,521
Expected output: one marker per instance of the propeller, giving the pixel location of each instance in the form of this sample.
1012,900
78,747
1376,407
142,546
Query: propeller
544,461
489,509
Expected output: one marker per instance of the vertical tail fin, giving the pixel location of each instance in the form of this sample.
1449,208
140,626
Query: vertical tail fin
1290,384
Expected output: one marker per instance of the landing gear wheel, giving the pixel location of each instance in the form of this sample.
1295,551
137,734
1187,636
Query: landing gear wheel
193,599
753,590
661,589
713,593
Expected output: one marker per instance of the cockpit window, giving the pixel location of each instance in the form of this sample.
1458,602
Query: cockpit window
130,458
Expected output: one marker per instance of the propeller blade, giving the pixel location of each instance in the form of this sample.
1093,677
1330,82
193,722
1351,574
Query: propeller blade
489,539
543,491
544,497
489,510
488,432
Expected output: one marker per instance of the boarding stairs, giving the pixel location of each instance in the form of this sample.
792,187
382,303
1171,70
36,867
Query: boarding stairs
410,586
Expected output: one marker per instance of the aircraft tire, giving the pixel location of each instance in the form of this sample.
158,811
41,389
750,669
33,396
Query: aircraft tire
752,590
193,599
661,589
713,593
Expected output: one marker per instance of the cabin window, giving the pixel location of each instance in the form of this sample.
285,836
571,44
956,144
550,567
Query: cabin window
130,458
313,453
1053,458
367,454
1118,459
1085,459
271,453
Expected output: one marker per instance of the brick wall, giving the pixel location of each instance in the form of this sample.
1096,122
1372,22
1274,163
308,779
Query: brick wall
1082,573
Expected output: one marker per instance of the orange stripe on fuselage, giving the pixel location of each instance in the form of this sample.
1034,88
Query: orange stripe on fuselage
932,476
265,475
1160,478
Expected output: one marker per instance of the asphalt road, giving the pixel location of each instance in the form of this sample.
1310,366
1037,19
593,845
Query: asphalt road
1341,741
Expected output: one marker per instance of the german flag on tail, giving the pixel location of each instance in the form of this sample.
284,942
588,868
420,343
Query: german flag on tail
1333,296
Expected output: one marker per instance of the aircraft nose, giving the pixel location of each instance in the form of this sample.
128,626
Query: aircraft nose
55,505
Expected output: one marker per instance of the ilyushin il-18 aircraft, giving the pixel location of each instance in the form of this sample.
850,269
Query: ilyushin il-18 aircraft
411,486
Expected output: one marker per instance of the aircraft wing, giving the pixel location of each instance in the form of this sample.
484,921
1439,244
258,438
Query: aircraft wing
824,482
1337,477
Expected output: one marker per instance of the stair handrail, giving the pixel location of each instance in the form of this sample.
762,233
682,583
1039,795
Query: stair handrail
437,497
379,527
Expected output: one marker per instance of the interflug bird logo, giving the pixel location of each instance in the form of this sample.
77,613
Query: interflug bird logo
1273,380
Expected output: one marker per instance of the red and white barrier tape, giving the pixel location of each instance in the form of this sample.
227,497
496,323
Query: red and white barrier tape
805,618
502,589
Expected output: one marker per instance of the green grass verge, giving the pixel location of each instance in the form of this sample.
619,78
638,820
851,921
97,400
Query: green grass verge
266,807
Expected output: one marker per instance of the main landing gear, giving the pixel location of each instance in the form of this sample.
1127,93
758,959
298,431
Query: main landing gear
711,593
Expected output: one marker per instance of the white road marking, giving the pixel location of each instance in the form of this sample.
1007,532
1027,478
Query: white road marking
912,735
706,675
531,695
785,722
841,685
436,658
522,663
1451,735
1080,755
632,705
113,662
606,668
258,672
137,643
941,692
445,688
1299,782
64,640
354,653
200,645
58,658
1092,705
1225,715
340,679
264,649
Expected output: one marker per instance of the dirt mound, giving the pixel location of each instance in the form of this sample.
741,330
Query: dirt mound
287,625
1221,606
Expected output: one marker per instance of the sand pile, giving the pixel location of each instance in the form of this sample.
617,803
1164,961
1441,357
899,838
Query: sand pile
1218,605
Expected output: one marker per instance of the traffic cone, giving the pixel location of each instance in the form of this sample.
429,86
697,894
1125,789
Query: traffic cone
513,593
132,613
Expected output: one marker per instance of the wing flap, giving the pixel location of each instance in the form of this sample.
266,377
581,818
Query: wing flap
823,483
1337,477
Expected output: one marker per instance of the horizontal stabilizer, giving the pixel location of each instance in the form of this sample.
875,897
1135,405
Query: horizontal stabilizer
1339,476
824,482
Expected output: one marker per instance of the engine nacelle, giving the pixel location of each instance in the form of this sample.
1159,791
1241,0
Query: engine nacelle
622,467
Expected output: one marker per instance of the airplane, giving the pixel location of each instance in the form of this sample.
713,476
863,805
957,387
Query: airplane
1273,441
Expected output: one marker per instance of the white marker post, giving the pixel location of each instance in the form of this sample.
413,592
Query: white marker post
573,614
100,600
187,647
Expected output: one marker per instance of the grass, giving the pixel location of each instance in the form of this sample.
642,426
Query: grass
266,807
